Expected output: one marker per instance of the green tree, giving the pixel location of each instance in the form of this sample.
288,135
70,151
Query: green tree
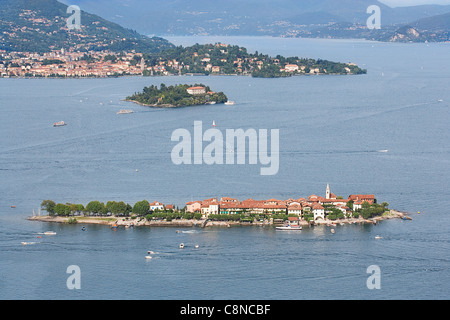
94,207
141,207
62,209
350,204
49,206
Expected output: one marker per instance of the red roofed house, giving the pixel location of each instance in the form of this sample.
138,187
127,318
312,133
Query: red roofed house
370,198
295,208
193,206
209,206
291,67
156,206
293,220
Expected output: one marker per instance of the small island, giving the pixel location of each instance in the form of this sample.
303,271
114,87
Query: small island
314,210
182,95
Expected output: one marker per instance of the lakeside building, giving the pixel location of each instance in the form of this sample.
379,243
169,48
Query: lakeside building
196,90
157,206
313,204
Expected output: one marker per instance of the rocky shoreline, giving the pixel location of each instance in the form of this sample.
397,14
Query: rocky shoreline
126,222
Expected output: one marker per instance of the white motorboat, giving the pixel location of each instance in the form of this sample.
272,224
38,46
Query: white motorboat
229,103
181,245
59,124
289,227
49,233
123,111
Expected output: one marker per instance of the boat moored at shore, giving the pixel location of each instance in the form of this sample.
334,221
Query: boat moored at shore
289,227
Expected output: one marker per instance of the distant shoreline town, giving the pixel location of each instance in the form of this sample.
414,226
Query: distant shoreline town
209,59
313,210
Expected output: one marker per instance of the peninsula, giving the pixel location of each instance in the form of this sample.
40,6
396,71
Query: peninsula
182,95
313,210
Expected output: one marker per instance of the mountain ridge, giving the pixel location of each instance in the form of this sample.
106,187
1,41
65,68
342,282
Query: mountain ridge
41,26
287,18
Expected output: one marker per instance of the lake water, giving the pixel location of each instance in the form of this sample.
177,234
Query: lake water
332,129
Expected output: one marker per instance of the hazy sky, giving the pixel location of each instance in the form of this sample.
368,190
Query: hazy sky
406,3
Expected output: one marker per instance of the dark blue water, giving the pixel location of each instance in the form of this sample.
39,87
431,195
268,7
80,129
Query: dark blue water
331,131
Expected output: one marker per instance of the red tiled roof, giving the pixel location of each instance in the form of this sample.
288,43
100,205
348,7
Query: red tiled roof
361,197
195,88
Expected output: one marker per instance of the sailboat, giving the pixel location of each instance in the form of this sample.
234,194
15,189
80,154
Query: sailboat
214,123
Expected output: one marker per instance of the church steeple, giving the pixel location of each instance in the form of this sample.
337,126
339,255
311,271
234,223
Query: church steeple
327,195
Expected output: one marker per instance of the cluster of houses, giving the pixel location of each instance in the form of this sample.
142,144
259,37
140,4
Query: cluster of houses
70,64
313,204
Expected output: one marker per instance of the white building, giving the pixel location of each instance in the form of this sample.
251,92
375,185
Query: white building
318,211
196,90
291,68
156,206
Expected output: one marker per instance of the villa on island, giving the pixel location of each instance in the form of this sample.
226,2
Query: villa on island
313,205
196,90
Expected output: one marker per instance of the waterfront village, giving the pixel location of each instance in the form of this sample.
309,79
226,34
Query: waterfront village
59,63
207,59
313,210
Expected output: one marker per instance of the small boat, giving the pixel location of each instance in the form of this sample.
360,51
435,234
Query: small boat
384,150
59,124
148,257
27,243
114,226
150,252
196,246
440,100
214,123
289,227
181,245
49,233
332,231
125,111
229,103
378,237
13,206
